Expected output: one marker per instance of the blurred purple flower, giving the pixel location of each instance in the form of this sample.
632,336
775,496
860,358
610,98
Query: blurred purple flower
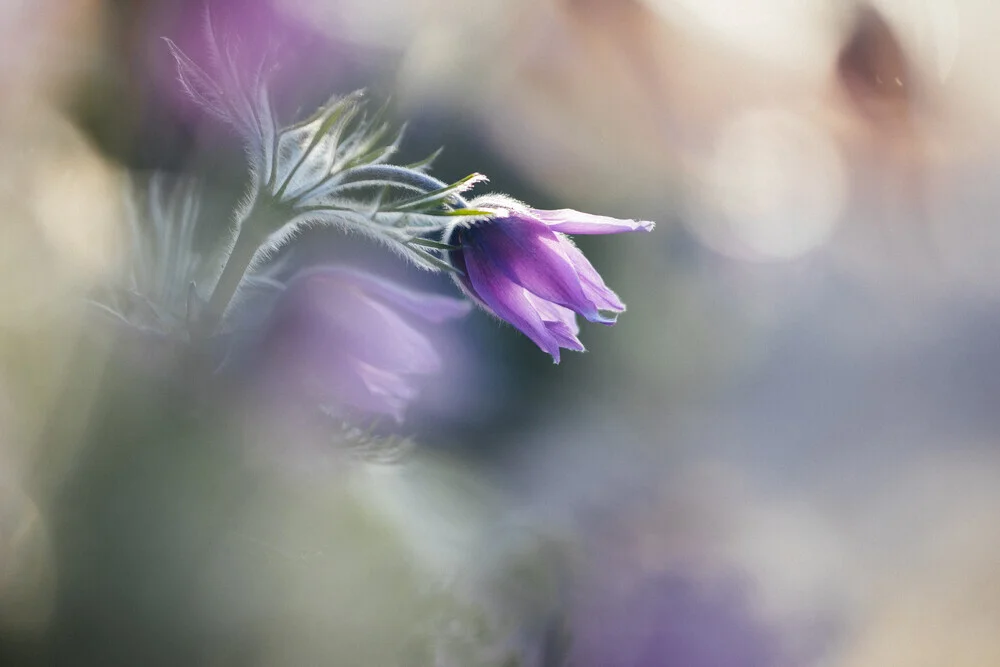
343,337
668,620
521,266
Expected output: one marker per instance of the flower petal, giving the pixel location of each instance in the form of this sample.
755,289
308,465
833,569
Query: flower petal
593,284
561,322
550,312
330,377
508,300
430,307
529,254
373,332
568,221
329,310
389,393
345,382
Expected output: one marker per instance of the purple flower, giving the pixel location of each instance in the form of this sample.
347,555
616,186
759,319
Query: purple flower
346,339
667,619
521,266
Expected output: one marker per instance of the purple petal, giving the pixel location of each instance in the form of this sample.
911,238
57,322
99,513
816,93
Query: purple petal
431,307
561,322
335,379
593,285
564,336
550,312
387,392
568,221
529,254
508,300
328,312
383,338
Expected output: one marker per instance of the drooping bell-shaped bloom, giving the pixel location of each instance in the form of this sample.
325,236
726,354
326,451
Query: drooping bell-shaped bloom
521,266
349,341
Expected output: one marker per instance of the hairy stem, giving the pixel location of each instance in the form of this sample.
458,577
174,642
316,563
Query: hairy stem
251,235
248,241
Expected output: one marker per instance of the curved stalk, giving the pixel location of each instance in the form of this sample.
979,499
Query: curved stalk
248,241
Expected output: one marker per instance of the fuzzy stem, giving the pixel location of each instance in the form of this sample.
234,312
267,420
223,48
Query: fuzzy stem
250,237
248,240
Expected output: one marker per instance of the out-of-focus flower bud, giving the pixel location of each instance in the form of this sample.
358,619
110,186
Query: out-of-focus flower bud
347,340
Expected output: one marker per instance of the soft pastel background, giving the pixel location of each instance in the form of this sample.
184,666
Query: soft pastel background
786,453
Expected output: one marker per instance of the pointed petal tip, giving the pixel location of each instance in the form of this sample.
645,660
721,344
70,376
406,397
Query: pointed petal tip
554,354
556,357
607,318
629,225
570,221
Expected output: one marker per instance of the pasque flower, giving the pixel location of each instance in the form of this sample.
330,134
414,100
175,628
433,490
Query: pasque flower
333,169
521,266
348,340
